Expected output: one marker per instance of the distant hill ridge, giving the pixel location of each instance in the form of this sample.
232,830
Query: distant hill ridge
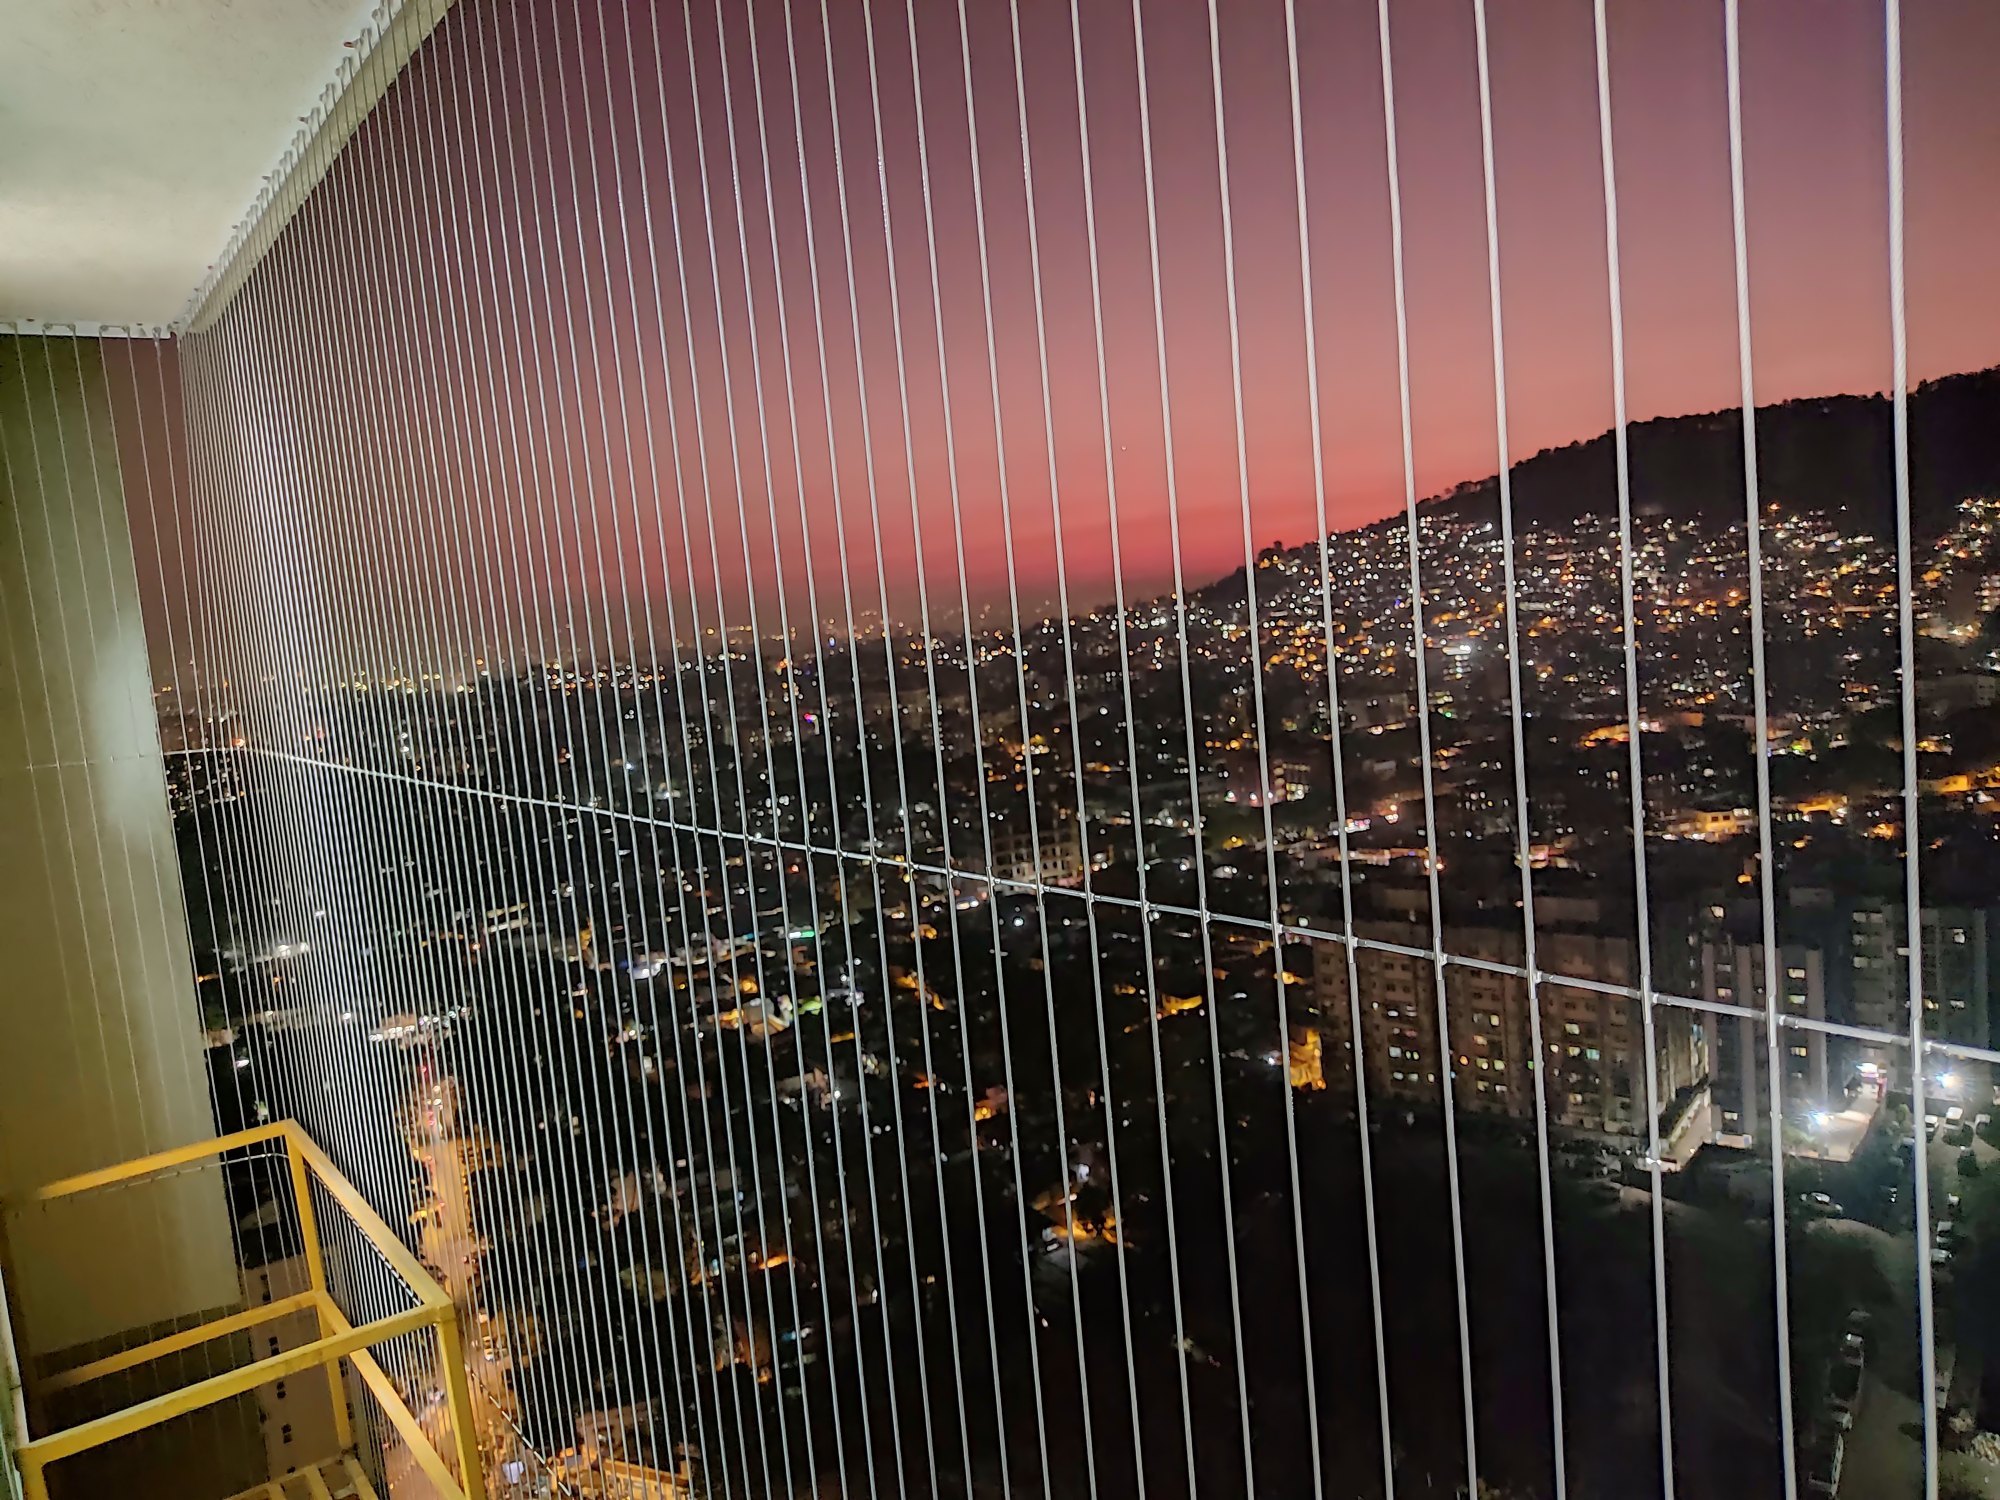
1827,453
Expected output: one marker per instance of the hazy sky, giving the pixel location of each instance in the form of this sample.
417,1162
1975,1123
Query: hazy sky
475,241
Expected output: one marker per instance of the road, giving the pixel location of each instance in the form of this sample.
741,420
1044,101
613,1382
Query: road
1884,1454
450,1243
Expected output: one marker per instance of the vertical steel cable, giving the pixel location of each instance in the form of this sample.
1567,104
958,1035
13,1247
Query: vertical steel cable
1139,854
368,1159
818,946
423,638
435,379
417,851
235,891
1309,321
179,919
930,647
701,669
836,504
75,481
467,589
1063,612
633,483
462,599
709,737
180,499
1029,800
1913,941
248,577
1419,626
595,500
749,858
1260,729
788,635
1523,834
551,268
249,377
1766,858
606,662
1211,996
757,635
512,271
1635,755
742,794
868,794
873,861
978,749
113,551
484,590
228,565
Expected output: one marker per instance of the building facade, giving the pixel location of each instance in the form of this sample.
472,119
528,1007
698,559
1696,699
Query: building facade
1594,1041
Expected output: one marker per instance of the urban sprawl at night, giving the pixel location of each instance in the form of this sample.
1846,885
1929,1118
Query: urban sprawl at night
887,1104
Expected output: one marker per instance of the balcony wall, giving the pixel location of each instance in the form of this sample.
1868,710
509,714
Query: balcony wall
99,1035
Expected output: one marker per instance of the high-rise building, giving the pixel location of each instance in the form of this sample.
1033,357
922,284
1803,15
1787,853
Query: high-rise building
1593,1044
1734,974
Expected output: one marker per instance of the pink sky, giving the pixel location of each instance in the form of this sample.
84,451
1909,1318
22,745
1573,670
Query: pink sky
491,210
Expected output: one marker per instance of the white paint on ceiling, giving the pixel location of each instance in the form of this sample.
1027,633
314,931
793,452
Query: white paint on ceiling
134,135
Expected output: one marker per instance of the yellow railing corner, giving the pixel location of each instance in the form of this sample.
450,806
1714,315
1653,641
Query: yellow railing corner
339,1339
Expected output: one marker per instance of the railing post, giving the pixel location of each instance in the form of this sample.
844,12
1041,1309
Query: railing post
458,1390
14,1388
34,1480
316,1270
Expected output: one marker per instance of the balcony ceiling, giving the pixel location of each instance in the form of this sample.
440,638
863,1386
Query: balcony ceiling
134,135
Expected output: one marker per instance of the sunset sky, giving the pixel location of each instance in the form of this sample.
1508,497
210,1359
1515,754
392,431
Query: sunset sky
488,213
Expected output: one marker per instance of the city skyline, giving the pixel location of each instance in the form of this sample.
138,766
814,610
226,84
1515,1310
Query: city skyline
466,658
585,430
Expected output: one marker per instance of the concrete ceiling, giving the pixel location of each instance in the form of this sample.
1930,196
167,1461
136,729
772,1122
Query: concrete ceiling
134,135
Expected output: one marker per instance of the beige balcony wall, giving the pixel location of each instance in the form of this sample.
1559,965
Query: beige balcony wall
101,1052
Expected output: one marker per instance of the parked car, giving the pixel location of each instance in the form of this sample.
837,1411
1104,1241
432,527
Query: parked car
1820,1203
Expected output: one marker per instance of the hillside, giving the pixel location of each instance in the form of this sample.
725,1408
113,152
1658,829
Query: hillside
1829,453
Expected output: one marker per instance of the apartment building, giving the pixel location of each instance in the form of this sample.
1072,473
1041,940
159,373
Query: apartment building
1593,1040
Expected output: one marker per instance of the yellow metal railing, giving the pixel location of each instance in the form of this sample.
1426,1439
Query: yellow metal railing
339,1339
